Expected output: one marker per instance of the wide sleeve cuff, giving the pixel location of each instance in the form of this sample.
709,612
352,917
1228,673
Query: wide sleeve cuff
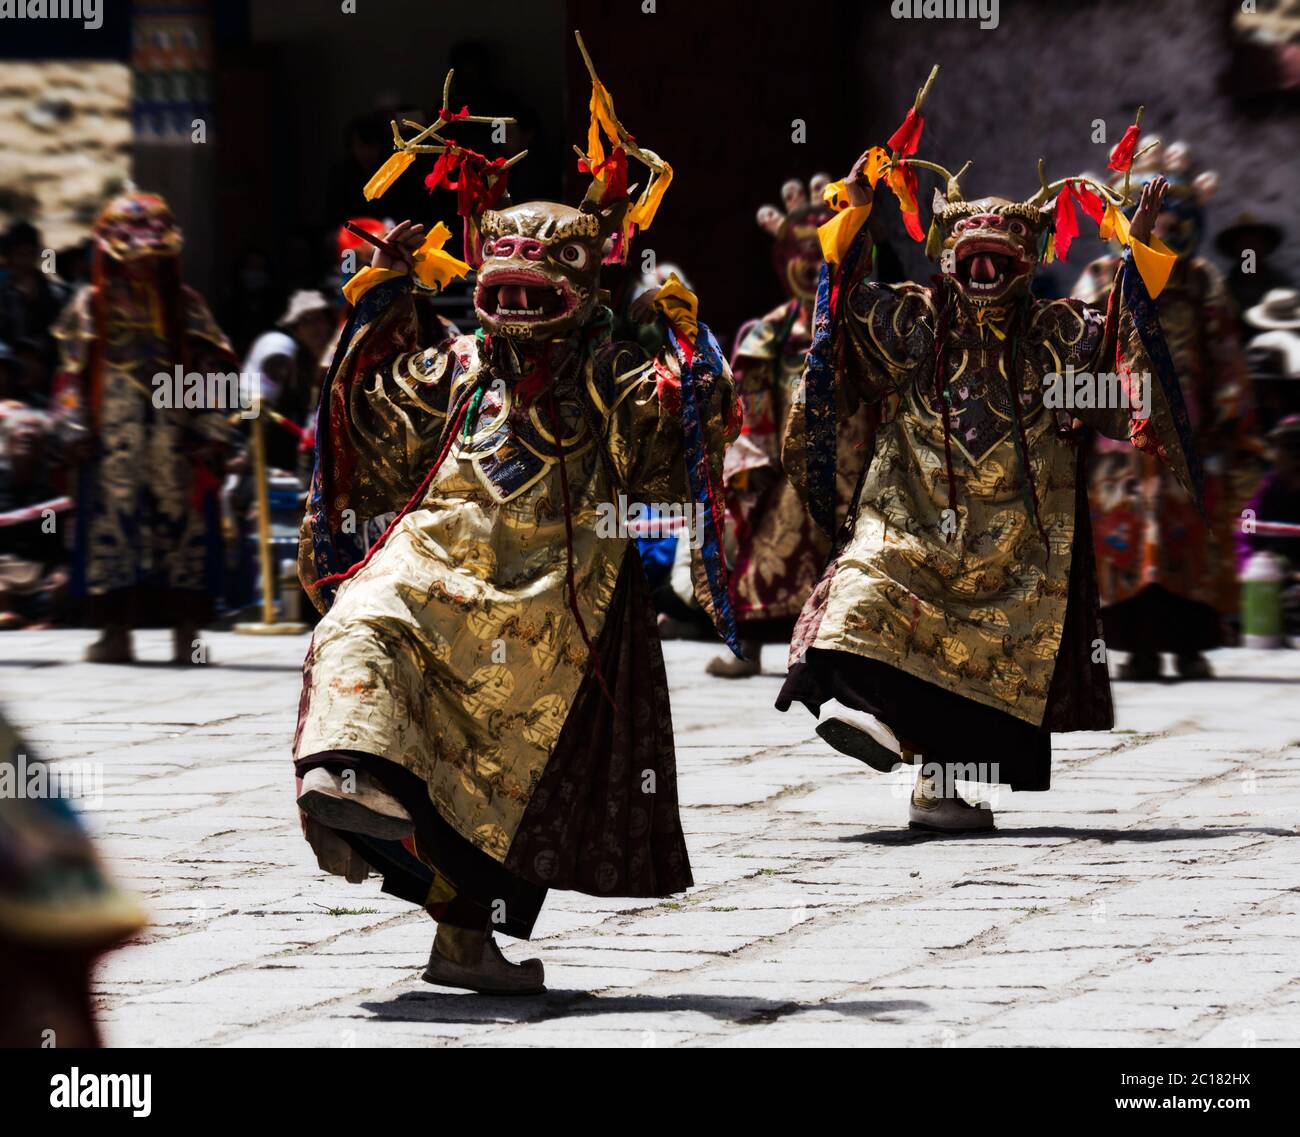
837,234
1155,261
366,279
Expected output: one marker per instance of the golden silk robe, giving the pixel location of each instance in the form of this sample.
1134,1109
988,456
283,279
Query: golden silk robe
971,601
454,652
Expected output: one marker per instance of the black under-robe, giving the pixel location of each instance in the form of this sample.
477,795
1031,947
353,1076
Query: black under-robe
948,728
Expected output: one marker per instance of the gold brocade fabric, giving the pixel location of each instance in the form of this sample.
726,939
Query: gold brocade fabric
454,652
972,603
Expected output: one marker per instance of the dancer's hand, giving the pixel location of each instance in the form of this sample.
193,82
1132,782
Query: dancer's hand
856,184
405,237
642,309
1144,218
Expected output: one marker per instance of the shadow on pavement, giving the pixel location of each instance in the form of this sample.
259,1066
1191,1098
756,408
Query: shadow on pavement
1041,832
440,1006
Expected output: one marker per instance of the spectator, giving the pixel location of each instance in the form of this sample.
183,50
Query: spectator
31,298
33,576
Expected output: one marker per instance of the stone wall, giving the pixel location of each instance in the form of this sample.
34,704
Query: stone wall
65,133
1032,86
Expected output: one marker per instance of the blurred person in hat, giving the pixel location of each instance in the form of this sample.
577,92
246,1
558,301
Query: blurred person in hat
1276,320
1247,244
147,543
309,322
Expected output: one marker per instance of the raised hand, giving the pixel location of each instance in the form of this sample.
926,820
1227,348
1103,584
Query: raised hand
856,184
403,238
1144,217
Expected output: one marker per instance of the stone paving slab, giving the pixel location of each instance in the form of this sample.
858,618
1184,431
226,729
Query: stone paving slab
1152,898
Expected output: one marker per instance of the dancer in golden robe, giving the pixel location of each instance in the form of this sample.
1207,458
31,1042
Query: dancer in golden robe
485,710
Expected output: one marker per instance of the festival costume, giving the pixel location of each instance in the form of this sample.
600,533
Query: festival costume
492,663
959,607
148,540
778,552
1166,583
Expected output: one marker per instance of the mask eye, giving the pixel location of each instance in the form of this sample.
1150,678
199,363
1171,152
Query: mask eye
1018,228
573,255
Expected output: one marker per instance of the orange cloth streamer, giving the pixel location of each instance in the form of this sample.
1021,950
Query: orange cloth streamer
680,306
647,205
1154,264
902,180
433,267
387,174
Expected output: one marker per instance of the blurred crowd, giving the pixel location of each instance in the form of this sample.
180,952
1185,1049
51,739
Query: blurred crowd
279,330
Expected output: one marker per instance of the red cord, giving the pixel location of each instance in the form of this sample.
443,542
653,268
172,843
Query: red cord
339,577
570,583
940,377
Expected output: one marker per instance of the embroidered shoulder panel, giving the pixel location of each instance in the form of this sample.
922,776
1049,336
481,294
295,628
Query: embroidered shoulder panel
1065,333
899,320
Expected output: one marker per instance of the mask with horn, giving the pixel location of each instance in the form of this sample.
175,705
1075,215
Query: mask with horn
538,262
990,247
134,225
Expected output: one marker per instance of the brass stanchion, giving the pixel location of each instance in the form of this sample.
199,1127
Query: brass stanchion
268,625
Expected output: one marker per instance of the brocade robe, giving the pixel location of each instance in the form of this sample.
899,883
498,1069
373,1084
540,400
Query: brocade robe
973,603
455,652
779,552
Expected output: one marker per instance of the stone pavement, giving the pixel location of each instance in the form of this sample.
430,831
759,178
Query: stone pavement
1152,898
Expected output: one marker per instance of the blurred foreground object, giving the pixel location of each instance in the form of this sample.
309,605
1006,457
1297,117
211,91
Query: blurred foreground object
58,910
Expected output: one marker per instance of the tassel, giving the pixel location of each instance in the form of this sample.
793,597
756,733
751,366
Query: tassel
1066,225
907,137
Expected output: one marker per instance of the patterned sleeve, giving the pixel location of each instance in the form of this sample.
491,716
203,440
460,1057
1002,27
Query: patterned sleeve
1134,351
869,341
382,410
